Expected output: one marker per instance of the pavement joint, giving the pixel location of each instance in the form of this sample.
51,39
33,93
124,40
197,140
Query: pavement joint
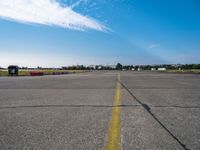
98,106
148,109
46,106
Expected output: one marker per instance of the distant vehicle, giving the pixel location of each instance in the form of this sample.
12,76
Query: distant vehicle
13,70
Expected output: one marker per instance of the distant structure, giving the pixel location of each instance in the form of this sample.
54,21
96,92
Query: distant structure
111,66
92,67
161,69
13,70
99,67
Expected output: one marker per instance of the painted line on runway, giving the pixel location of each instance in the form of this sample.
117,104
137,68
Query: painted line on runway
114,131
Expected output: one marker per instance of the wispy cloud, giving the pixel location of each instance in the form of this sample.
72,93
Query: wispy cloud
77,3
151,46
47,12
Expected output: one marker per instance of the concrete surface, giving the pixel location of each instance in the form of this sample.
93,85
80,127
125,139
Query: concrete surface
72,112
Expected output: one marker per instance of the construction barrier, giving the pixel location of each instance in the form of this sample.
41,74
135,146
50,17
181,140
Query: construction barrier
36,73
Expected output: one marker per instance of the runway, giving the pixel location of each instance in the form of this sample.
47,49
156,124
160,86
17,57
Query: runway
101,110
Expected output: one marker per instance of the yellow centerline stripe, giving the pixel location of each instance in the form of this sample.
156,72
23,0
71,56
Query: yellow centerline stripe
114,131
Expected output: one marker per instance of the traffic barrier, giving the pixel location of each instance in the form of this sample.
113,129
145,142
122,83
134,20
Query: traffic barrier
36,73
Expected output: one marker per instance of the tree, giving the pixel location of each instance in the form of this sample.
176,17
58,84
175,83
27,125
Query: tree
119,66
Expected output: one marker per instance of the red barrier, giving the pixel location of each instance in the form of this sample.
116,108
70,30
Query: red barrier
36,73
39,73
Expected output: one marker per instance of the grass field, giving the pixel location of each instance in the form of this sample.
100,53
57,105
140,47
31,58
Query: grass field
46,72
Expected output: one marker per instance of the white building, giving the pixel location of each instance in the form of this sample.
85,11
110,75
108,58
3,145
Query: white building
92,66
99,67
161,69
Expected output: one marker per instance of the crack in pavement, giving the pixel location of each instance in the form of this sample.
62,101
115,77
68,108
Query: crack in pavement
148,109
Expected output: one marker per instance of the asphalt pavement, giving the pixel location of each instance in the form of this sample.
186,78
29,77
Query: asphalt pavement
96,110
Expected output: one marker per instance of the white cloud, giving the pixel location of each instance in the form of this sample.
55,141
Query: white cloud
151,46
47,12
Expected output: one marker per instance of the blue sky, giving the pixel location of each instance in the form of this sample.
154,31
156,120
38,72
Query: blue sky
52,33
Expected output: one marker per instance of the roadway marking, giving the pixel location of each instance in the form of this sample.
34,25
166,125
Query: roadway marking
114,131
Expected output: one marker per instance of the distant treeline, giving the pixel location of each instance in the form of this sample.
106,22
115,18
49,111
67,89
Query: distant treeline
119,66
169,67
134,67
